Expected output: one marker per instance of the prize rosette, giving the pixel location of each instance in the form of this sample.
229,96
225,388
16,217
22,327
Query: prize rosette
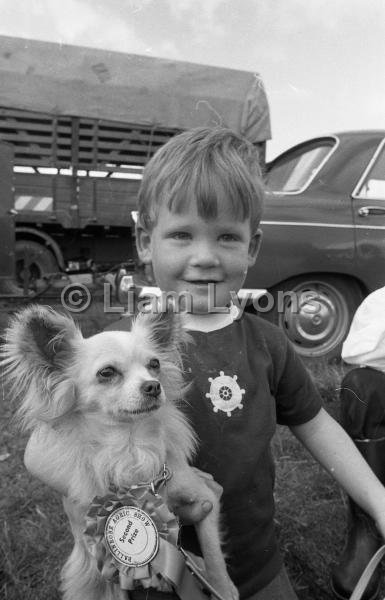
133,537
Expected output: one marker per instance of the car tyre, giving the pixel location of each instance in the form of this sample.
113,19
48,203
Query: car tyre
317,316
42,262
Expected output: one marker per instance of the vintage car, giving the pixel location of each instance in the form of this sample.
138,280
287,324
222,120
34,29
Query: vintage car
324,237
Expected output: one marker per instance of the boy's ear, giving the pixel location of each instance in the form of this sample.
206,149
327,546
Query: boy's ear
255,244
143,244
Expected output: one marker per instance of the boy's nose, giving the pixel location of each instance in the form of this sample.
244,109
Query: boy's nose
151,387
204,255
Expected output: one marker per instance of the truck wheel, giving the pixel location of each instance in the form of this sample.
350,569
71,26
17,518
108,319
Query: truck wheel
317,317
41,262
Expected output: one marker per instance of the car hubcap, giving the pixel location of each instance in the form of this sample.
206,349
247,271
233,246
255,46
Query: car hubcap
315,318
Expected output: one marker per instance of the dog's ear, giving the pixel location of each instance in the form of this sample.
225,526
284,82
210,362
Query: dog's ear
39,345
165,328
167,338
42,337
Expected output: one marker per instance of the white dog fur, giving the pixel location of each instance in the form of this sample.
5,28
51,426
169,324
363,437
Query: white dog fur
103,412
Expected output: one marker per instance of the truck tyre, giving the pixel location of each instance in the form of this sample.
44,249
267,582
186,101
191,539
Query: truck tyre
42,262
317,317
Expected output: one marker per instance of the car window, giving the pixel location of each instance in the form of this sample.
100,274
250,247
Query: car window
293,172
372,186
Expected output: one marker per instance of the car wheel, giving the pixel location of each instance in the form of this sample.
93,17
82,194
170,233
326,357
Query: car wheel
317,316
40,263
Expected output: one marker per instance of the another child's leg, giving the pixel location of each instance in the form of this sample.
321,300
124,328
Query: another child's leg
363,418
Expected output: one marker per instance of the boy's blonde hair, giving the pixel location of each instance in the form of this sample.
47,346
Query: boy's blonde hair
203,166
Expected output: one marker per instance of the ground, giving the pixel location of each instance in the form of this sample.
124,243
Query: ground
35,538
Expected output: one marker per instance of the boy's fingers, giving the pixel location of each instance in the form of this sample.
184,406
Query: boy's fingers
194,512
202,474
207,506
192,498
214,487
210,482
182,497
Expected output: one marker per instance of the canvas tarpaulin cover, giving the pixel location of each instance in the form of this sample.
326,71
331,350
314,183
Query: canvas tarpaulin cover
68,80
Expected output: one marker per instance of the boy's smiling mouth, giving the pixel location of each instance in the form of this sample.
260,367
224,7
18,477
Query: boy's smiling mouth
202,281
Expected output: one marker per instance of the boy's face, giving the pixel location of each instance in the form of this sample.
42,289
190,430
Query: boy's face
188,252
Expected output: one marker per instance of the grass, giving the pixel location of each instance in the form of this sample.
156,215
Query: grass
310,506
35,539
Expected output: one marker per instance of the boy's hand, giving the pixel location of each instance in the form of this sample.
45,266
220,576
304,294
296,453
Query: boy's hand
190,495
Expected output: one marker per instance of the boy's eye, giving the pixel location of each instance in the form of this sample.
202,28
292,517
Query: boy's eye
107,373
180,235
228,237
153,364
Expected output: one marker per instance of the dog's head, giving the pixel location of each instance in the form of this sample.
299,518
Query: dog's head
123,375
130,374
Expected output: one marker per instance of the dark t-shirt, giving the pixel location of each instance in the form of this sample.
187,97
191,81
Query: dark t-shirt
244,378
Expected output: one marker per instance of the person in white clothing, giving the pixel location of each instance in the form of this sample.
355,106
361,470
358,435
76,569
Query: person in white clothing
363,417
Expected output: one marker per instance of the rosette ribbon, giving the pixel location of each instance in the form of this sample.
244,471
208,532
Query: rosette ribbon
168,563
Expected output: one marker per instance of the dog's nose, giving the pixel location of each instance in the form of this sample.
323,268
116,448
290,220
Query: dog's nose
151,387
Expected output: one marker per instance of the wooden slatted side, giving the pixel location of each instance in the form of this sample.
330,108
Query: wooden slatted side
42,140
106,144
38,140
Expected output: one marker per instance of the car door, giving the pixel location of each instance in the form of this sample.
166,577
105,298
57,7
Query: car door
368,201
307,223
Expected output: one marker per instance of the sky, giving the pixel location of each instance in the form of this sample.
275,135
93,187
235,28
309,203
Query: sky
322,61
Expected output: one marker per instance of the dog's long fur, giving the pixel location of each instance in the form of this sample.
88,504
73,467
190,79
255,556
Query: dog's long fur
98,417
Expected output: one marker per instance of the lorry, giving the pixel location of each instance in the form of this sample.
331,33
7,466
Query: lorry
82,124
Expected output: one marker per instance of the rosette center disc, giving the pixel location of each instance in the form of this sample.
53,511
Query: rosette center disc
131,536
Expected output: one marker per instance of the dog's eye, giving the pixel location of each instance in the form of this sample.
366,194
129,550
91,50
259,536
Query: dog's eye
153,364
106,373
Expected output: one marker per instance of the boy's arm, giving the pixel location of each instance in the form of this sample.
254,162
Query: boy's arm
41,461
331,446
190,490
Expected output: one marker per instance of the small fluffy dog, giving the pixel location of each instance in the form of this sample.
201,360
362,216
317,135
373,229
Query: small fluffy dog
104,411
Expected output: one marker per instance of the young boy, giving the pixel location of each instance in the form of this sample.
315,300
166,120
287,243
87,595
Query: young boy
200,205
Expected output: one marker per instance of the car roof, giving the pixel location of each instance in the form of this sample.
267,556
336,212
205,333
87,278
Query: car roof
343,136
360,133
